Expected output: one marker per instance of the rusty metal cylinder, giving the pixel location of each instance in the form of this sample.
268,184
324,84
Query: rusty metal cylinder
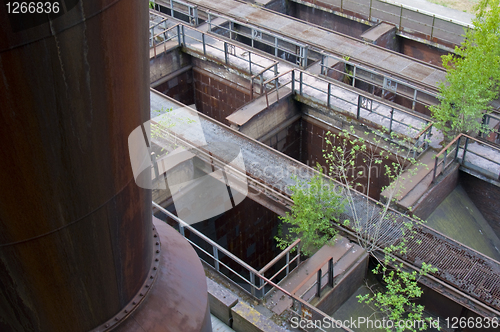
75,229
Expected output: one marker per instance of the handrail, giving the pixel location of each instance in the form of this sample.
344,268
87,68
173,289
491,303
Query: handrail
280,256
374,203
303,282
398,16
456,142
294,298
326,69
266,69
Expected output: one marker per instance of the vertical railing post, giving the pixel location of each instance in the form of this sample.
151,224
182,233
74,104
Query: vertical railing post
390,123
354,76
401,19
465,149
216,258
261,82
276,46
432,28
225,52
179,35
330,272
209,22
287,263
195,10
341,6
329,94
261,285
293,81
183,36
181,230
359,106
251,88
298,253
250,62
252,282
204,44
300,83
435,168
172,8
444,161
304,59
414,99
370,13
484,123
457,147
318,283
322,71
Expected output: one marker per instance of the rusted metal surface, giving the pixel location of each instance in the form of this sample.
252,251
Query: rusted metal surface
141,294
178,300
75,234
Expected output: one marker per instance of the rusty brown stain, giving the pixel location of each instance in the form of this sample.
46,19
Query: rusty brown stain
74,227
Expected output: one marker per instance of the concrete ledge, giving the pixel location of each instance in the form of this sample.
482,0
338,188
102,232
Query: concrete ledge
247,319
221,301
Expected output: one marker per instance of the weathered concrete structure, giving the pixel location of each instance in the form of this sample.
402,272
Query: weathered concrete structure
294,119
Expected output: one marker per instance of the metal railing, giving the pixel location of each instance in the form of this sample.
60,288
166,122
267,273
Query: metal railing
448,279
258,67
294,247
167,35
356,73
254,275
269,42
370,111
365,108
318,285
289,50
408,19
456,152
492,121
180,10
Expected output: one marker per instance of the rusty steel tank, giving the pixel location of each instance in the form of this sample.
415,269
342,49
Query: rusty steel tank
76,238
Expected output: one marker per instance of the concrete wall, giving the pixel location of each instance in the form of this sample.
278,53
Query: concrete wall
247,231
345,287
281,6
424,52
286,140
218,93
270,118
327,20
313,143
485,196
180,87
437,193
167,63
353,28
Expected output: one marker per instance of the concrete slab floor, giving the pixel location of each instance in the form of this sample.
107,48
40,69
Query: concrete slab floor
460,219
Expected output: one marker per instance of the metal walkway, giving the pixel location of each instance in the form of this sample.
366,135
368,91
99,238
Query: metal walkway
465,275
393,63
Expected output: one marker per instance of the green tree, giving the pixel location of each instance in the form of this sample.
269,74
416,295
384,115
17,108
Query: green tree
379,230
316,203
473,75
